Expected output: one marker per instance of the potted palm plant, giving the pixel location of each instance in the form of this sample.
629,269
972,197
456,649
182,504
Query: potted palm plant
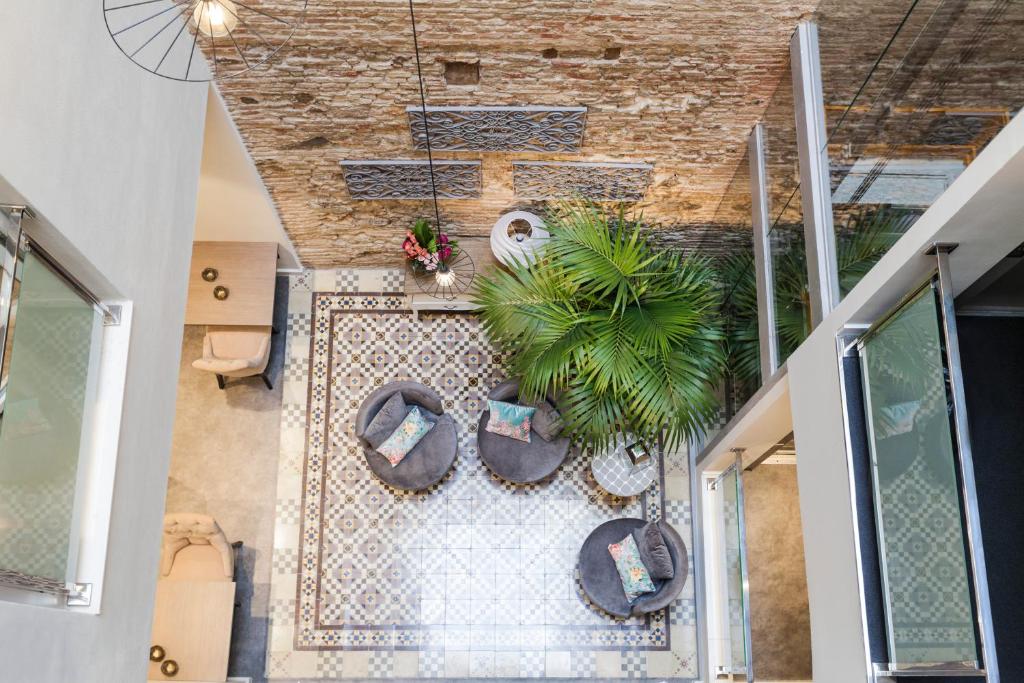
626,335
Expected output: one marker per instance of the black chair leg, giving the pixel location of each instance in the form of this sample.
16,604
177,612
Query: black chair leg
266,380
220,381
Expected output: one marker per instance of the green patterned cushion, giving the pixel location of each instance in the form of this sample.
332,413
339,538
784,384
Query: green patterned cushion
509,419
634,576
405,437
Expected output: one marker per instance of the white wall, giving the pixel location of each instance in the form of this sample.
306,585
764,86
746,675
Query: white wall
981,212
108,155
234,205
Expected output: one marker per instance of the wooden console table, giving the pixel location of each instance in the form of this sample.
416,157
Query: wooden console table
247,269
479,249
192,622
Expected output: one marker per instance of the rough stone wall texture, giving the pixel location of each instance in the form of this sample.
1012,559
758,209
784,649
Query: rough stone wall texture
675,83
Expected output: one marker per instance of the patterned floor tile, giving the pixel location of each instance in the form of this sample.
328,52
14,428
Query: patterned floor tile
481,664
584,664
531,664
432,664
474,577
456,664
381,664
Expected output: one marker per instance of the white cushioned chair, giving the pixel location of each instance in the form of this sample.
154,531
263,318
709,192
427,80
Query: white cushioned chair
236,351
195,549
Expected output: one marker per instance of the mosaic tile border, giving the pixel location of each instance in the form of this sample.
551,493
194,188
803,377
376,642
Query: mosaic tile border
311,632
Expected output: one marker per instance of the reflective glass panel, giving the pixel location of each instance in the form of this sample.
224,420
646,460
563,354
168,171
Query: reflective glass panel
785,211
929,610
732,561
50,369
739,301
914,90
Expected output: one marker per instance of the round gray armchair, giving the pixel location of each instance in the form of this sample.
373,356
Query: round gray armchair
518,461
428,462
600,578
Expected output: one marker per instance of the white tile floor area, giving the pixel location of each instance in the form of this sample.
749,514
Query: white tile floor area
474,577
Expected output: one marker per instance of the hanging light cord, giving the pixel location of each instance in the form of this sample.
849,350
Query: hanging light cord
426,125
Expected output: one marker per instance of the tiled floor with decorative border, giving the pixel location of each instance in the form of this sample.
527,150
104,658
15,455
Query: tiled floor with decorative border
472,578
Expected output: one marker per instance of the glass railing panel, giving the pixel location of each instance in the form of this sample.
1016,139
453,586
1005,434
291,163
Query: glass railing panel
930,614
785,211
732,562
739,294
781,157
50,367
789,285
914,91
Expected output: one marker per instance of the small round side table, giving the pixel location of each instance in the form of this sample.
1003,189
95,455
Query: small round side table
616,474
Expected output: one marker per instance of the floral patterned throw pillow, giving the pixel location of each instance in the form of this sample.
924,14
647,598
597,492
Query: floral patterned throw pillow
634,576
509,419
405,437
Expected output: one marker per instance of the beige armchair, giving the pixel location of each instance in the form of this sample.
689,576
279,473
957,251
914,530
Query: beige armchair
236,351
195,549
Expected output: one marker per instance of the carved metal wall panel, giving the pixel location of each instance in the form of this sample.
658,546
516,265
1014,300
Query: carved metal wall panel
601,181
500,129
410,179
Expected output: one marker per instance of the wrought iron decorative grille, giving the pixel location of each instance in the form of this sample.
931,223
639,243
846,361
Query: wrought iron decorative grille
410,179
500,129
599,181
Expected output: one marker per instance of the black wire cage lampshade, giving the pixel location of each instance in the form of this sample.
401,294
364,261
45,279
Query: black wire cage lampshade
452,277
170,37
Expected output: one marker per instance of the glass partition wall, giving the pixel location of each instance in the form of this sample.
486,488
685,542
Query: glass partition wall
49,367
785,273
788,272
730,575
931,615
739,296
914,90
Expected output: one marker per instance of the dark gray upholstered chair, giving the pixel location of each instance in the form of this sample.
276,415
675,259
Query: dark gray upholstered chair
433,456
514,460
600,578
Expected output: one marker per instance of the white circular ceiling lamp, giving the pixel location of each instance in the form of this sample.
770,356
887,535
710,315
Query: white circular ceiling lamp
215,18
517,236
170,38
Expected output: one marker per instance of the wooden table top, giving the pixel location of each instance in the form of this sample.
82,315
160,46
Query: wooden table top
192,622
247,269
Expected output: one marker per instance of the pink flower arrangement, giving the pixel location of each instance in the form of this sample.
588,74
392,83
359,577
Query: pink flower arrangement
426,250
414,252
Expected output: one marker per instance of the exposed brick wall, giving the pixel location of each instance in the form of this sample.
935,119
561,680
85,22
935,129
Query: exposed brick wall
674,83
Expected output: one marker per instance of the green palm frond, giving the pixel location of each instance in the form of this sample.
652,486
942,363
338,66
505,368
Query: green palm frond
627,336
602,253
742,344
864,237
